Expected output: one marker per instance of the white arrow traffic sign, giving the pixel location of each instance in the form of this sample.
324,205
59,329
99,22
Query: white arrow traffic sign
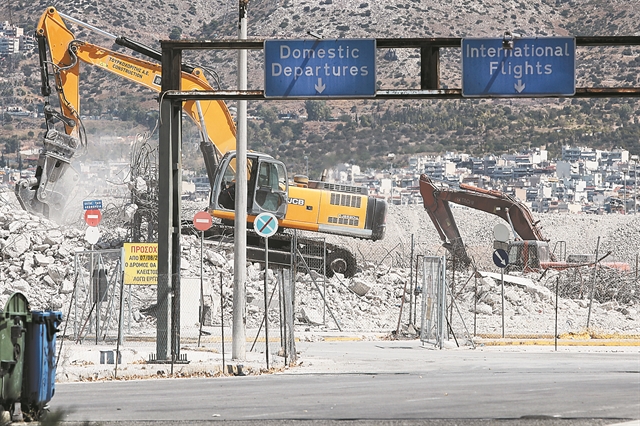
500,258
320,87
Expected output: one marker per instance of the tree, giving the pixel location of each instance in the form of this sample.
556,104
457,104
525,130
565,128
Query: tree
268,114
175,34
11,144
317,110
27,70
286,134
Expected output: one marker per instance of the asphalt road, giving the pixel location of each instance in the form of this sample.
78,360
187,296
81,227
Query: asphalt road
383,383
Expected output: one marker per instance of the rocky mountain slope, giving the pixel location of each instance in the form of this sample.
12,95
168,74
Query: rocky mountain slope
475,126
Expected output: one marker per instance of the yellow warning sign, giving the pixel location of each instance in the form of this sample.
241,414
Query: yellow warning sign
141,263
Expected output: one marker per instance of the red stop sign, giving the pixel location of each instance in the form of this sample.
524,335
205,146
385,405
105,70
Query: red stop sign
202,221
92,217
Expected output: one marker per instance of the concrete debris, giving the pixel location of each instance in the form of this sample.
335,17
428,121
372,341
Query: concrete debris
37,258
359,287
310,317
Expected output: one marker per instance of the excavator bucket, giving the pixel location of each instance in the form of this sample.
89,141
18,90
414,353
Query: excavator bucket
47,193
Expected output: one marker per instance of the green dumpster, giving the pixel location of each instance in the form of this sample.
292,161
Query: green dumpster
12,340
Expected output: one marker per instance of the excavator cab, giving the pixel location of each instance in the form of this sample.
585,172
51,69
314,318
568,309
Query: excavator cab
267,186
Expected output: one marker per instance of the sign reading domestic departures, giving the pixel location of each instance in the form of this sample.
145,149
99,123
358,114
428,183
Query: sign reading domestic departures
320,68
140,263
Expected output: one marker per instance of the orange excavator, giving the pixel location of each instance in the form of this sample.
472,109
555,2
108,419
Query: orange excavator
529,250
300,204
436,199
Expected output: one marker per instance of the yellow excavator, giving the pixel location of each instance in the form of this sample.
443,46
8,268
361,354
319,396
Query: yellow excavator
303,204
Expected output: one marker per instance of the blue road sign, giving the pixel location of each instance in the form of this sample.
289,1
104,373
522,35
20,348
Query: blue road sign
92,204
265,224
320,68
531,67
500,258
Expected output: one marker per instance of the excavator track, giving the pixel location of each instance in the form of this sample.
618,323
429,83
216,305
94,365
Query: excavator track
311,253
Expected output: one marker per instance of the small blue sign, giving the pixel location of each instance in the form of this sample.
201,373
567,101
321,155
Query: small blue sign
265,224
500,258
320,68
525,68
92,205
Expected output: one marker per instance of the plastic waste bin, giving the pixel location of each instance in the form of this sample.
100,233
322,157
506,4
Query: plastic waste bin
40,363
13,322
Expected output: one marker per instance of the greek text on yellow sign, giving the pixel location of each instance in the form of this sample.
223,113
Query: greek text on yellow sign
140,263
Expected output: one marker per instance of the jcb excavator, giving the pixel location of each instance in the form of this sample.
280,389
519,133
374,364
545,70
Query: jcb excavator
531,252
304,205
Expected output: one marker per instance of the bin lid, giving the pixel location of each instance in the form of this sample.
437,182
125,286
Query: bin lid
43,316
16,305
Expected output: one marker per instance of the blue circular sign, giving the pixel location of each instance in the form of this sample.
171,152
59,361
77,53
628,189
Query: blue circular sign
265,224
500,258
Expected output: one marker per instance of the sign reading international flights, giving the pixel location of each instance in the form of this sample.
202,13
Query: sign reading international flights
140,263
524,68
320,68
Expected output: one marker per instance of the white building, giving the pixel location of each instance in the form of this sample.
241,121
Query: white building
12,39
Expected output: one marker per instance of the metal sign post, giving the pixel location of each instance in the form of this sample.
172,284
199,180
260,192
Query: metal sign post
202,222
93,217
266,224
501,260
266,300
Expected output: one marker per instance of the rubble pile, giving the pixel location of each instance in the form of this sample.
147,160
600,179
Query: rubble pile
37,259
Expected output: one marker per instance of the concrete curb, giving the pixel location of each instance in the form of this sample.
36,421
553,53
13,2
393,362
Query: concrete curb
560,342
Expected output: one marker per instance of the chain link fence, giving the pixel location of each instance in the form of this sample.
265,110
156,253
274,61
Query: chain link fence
101,309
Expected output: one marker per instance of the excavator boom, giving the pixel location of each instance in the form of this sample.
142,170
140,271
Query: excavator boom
47,192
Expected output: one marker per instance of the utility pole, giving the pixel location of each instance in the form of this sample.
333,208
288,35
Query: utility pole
240,229
624,179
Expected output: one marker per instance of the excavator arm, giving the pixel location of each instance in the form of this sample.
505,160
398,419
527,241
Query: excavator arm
436,201
46,192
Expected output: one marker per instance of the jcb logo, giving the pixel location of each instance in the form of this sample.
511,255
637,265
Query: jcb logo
296,201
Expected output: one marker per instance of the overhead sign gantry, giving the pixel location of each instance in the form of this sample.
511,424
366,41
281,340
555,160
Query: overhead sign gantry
172,96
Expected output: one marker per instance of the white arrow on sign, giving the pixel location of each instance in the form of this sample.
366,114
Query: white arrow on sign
504,263
519,87
319,86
